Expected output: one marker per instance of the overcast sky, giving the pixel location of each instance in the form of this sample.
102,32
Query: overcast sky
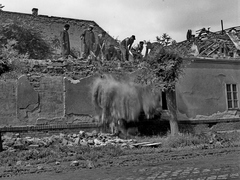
146,19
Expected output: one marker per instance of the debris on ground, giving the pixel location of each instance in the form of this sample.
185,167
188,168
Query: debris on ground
12,142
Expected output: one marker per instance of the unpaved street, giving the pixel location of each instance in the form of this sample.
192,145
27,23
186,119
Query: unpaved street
209,164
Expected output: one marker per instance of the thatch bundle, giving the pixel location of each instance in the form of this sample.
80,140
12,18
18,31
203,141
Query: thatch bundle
120,102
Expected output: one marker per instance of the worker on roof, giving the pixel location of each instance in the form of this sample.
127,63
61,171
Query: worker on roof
101,45
126,46
65,43
88,39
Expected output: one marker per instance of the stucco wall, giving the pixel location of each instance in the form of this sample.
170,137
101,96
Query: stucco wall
57,100
8,98
201,91
52,92
45,98
78,96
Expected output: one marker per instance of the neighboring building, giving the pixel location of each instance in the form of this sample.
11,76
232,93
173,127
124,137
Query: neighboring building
209,88
51,27
220,44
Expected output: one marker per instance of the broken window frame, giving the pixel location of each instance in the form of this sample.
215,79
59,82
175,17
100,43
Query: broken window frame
232,96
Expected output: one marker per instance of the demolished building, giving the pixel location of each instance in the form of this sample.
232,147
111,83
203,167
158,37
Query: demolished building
207,90
210,84
51,26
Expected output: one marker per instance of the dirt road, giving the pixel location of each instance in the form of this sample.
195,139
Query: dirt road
222,163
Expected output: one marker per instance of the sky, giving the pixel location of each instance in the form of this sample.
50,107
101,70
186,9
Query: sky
145,19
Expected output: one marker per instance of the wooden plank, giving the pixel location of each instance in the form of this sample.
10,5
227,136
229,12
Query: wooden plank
212,51
207,48
152,144
140,144
147,144
234,38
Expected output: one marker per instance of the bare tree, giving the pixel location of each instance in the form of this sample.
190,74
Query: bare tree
1,6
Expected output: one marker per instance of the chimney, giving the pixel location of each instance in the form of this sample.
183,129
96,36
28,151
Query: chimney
35,11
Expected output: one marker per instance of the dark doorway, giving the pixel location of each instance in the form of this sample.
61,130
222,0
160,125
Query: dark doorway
164,101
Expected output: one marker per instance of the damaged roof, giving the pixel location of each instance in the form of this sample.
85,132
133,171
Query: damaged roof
220,44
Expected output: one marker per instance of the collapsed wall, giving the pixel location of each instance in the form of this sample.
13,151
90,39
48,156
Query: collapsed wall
51,92
56,100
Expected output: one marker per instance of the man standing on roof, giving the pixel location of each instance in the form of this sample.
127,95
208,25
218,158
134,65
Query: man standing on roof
100,51
88,38
65,43
126,46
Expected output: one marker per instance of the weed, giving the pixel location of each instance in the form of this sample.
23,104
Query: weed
182,140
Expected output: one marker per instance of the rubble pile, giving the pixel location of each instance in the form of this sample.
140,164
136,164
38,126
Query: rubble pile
12,142
210,44
75,68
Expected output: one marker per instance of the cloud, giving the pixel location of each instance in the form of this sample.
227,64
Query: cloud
197,14
144,18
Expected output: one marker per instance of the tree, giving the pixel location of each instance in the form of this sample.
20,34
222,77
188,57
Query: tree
162,70
28,39
10,59
165,39
1,7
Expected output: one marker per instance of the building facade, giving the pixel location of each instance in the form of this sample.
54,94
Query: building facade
209,89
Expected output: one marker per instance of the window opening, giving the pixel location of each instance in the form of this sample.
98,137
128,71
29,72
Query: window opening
232,96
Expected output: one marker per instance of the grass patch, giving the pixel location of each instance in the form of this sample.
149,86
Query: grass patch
182,140
190,139
59,153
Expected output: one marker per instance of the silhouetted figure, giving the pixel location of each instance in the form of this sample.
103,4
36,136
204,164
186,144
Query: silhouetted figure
149,47
189,34
65,43
126,46
88,38
100,50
